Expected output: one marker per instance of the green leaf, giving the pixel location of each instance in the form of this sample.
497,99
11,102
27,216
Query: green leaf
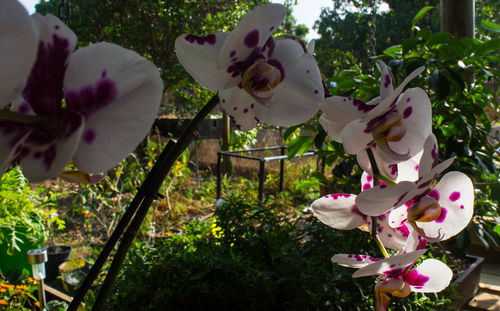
419,15
320,138
490,26
439,83
289,131
309,184
488,46
295,145
394,51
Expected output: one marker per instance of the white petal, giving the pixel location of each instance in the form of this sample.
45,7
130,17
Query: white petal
353,260
119,93
393,238
338,211
390,265
378,200
354,138
345,109
311,46
332,127
430,276
415,106
240,107
10,144
430,156
398,216
252,32
387,82
198,55
297,97
46,158
408,170
389,170
50,26
18,49
386,103
455,194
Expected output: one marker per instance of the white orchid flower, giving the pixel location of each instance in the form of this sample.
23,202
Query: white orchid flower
111,97
259,79
437,213
394,125
397,279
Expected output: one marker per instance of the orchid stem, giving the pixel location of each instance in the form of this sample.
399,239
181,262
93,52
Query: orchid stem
385,179
447,254
8,115
376,174
135,214
381,246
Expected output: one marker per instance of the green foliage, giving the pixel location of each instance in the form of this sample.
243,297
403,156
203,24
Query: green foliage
25,214
250,258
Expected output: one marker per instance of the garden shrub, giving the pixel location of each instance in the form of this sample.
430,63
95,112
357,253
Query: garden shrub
251,258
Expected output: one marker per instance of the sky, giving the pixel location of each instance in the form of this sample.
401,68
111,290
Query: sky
306,12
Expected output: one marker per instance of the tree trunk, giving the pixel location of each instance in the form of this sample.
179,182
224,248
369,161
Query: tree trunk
457,17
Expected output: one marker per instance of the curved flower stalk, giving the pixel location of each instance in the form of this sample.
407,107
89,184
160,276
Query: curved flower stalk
436,213
394,125
397,279
92,106
19,39
259,79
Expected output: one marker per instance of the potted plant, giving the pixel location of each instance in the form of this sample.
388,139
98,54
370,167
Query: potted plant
21,221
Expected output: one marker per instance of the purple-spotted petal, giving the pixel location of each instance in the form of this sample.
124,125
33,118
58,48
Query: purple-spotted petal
46,153
398,216
408,170
338,111
387,82
455,195
387,169
44,88
431,276
198,55
240,107
393,238
251,33
18,49
415,106
10,144
338,211
119,93
354,138
354,260
430,156
393,266
296,98
376,201
386,104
